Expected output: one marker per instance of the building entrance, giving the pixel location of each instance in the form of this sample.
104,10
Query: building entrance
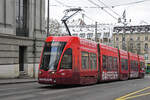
21,57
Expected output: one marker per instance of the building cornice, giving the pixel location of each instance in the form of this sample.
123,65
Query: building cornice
19,37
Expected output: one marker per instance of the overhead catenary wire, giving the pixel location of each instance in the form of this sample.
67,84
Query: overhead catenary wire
108,7
62,4
102,9
86,7
97,6
75,7
94,20
130,3
89,18
59,2
112,6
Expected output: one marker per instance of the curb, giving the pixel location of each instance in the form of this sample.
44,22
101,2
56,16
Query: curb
16,82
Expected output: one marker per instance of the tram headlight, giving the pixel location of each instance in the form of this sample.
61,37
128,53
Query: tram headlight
52,72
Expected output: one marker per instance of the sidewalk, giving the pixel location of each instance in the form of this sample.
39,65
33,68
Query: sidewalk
16,81
27,80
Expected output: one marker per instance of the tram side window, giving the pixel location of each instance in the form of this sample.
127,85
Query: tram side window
132,65
126,64
110,63
115,64
142,66
93,61
104,61
136,67
122,64
85,60
66,62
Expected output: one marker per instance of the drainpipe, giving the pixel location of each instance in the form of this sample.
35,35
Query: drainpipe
34,40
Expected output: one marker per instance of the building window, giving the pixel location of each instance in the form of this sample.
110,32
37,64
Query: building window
146,38
117,39
21,18
139,29
138,48
138,45
146,56
131,39
89,35
117,46
98,35
138,38
73,30
105,39
82,35
131,45
123,39
146,46
74,34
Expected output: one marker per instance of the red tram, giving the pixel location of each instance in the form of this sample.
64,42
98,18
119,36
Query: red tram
141,67
109,63
133,65
71,60
124,65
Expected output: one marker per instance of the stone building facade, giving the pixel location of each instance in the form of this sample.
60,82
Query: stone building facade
22,35
137,40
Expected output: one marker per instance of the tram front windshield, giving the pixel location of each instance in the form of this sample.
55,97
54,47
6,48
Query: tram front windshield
51,55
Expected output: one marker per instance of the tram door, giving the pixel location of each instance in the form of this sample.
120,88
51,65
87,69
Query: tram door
21,58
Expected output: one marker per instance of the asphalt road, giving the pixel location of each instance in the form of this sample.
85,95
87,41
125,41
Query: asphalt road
137,89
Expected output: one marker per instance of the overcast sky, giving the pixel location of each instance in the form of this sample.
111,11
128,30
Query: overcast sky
136,10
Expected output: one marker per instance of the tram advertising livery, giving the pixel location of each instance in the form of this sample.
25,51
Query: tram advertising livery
71,60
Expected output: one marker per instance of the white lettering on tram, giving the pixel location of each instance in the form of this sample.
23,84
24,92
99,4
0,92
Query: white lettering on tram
109,75
134,74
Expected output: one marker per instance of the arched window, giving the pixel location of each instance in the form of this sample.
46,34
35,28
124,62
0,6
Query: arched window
146,45
131,45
